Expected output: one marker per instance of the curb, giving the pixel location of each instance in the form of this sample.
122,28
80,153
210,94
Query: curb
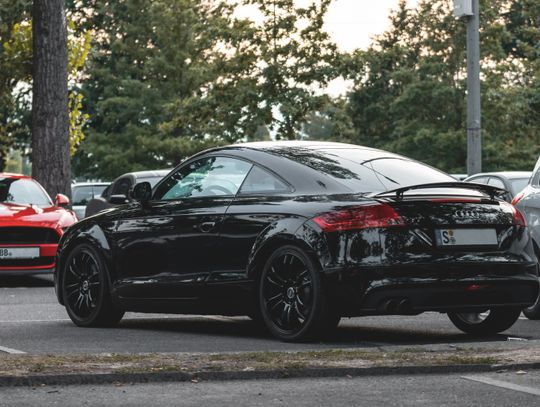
108,378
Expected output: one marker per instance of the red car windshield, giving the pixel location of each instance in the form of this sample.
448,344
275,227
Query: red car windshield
23,191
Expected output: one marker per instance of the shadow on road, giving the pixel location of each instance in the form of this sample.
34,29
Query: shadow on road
344,336
388,336
26,281
199,325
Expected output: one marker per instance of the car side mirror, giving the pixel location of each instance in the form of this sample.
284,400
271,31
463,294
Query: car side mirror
119,199
61,200
142,192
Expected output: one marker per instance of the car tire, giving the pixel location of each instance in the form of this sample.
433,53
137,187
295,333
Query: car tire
479,324
85,289
533,312
292,301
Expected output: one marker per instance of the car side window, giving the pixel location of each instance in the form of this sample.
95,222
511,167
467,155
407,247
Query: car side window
259,181
122,187
106,192
479,180
98,190
211,176
81,195
496,182
536,179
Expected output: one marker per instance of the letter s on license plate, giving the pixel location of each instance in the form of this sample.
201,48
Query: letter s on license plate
466,237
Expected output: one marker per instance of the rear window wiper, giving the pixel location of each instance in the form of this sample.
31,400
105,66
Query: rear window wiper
492,191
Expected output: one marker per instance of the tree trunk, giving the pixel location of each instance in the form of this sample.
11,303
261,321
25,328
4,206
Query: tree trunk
50,118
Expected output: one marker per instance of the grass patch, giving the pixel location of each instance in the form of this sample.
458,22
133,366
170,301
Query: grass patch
18,365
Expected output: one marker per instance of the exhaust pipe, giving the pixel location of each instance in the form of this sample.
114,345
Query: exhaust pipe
390,306
404,306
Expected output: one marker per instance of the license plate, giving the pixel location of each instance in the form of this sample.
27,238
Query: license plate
466,237
19,252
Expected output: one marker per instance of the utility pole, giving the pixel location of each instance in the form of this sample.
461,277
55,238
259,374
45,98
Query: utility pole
470,9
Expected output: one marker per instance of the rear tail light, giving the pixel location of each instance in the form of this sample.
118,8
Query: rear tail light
360,217
519,219
518,198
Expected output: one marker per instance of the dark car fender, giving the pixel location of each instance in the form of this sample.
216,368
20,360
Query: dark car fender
83,232
289,231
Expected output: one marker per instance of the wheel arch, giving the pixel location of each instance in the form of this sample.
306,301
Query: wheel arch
93,236
536,249
274,238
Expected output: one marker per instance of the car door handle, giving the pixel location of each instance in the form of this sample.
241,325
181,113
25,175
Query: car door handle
206,227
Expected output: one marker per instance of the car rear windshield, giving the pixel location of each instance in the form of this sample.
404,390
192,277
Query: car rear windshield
365,170
519,183
22,191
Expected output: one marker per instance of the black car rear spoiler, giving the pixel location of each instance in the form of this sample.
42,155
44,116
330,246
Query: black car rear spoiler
493,192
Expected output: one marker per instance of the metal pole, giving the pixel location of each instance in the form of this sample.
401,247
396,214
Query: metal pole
474,141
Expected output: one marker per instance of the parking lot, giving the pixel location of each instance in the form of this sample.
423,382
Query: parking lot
503,389
32,321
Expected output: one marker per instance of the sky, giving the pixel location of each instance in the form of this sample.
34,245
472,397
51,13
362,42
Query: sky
352,23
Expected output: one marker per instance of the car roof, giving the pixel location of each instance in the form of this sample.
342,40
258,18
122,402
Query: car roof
285,147
150,174
504,174
311,145
143,174
14,176
86,184
281,158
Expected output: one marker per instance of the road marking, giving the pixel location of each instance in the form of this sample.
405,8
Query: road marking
23,321
504,385
131,318
11,351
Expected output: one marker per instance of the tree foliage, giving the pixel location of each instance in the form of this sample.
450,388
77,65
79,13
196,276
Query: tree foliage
13,67
294,61
409,91
16,77
170,77
166,78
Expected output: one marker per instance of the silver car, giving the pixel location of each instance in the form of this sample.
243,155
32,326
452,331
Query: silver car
512,181
528,202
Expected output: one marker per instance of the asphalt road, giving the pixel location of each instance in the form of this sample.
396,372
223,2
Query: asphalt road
32,321
493,389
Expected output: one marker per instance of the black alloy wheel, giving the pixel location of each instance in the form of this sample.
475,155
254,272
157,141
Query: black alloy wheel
86,289
291,297
486,323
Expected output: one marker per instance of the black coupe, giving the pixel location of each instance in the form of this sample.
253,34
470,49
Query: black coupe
297,235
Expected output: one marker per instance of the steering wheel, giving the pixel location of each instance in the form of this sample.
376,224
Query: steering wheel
223,190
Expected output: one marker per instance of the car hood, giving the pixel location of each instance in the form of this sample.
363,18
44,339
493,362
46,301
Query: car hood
12,214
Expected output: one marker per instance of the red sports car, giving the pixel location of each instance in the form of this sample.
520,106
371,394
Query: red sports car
30,225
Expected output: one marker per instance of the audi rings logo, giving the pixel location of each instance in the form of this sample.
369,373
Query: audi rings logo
467,214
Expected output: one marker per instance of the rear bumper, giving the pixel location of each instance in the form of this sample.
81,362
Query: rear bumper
444,288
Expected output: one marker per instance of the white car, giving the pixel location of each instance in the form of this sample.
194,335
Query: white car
82,192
